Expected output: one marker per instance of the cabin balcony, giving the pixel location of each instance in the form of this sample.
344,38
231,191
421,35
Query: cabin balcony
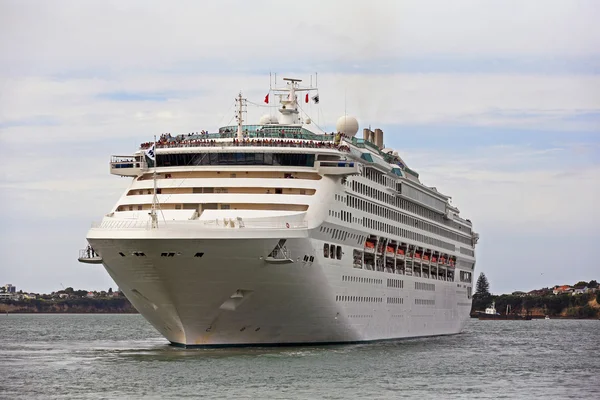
342,168
127,165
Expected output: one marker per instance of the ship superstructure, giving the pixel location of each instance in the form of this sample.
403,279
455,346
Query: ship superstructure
279,233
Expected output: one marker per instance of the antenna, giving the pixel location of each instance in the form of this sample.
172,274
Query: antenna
345,96
240,115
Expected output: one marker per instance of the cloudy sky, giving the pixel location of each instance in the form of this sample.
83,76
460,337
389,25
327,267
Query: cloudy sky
496,103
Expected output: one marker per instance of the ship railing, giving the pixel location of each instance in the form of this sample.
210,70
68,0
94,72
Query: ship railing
220,223
251,143
241,223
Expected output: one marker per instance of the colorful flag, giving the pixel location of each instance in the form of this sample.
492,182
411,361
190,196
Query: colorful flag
306,98
267,98
316,98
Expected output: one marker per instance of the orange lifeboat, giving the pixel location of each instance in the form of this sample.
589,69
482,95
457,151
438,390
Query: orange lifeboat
390,249
433,259
417,255
400,252
370,245
425,258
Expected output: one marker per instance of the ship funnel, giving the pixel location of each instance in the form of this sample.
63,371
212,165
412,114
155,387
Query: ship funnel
378,139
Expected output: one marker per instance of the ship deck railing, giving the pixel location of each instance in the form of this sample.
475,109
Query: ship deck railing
221,223
248,143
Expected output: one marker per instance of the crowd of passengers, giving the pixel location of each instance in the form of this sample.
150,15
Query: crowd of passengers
248,142
167,141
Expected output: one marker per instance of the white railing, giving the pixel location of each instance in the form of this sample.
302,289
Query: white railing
121,224
222,223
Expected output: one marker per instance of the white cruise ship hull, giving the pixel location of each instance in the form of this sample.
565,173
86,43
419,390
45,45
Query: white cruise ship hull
232,295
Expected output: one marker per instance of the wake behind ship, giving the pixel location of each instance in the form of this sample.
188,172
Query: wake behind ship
278,233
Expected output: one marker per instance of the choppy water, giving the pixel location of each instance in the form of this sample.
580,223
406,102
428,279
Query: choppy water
121,356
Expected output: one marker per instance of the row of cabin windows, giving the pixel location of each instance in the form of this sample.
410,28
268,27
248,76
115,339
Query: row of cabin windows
406,233
332,251
378,177
395,283
425,286
360,279
407,206
211,190
395,300
283,159
338,234
405,219
424,302
468,252
361,299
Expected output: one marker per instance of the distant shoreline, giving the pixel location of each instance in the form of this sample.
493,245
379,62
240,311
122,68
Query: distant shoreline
116,305
67,313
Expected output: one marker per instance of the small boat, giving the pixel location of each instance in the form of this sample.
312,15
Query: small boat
547,317
491,314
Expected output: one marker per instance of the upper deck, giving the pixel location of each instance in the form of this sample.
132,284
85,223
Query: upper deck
279,135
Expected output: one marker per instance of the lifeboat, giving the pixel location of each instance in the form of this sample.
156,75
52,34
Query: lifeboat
425,258
369,247
433,259
417,255
389,249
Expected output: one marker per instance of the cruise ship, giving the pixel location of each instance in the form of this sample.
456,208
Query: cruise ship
280,233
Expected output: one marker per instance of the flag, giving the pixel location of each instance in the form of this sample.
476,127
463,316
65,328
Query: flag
267,98
306,98
316,98
150,152
150,156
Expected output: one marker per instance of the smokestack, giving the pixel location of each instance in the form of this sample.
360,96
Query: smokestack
378,139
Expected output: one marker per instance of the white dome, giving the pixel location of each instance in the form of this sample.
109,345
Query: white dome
274,119
347,125
265,119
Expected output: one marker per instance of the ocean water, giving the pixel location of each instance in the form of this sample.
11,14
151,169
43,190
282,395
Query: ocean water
121,356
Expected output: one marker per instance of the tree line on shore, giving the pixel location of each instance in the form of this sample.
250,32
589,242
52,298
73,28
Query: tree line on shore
69,301
540,302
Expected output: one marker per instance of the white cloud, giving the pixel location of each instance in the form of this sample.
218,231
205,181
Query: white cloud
204,101
140,34
510,187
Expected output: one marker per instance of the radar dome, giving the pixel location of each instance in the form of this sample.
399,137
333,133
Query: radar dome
347,125
265,119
